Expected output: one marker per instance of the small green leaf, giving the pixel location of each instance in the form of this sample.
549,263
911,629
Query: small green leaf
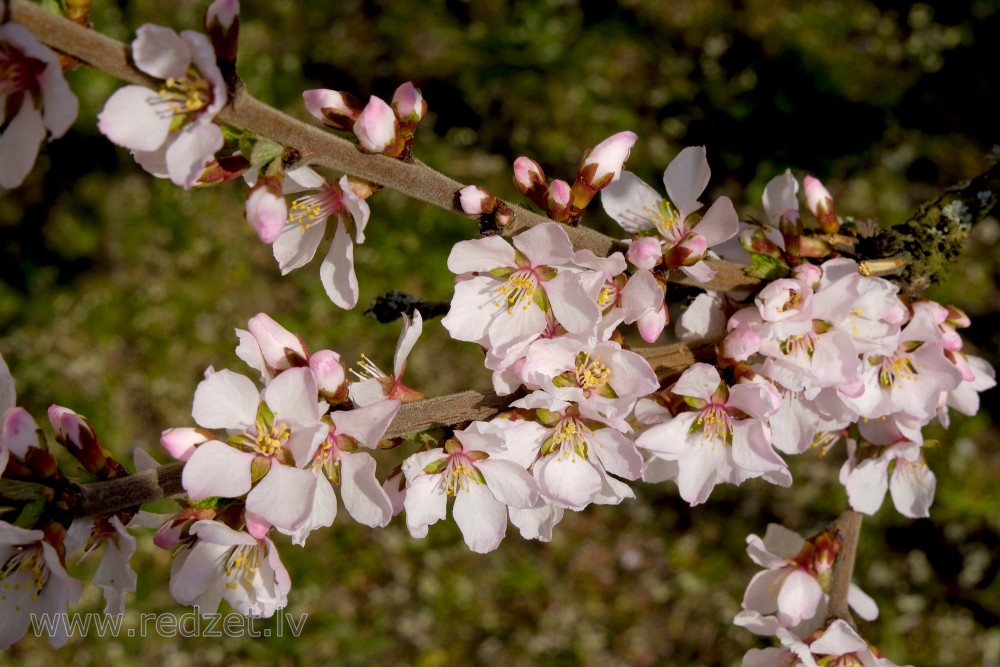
765,267
29,516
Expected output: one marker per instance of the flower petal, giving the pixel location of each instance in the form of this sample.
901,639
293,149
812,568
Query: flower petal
216,469
337,271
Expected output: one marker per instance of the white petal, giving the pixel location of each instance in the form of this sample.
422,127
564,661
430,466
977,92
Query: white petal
481,517
407,339
284,498
365,499
862,603
912,487
484,254
225,400
296,246
720,223
425,503
509,482
292,396
19,144
631,203
568,480
216,469
130,120
337,271
547,244
160,52
685,179
367,424
191,151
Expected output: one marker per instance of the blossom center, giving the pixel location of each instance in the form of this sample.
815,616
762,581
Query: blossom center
715,424
518,290
591,374
19,72
666,219
242,566
268,439
460,475
895,370
316,208
184,96
24,573
570,440
799,344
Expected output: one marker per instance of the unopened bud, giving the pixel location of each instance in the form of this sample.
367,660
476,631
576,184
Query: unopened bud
180,443
409,105
266,209
504,215
330,375
337,110
820,203
645,252
808,274
377,127
222,23
651,324
754,241
688,252
475,201
75,433
530,179
603,164
558,200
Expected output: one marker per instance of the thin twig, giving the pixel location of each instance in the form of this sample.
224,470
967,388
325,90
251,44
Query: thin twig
848,529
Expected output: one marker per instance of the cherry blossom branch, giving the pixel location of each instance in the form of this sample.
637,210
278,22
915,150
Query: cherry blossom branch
848,529
101,498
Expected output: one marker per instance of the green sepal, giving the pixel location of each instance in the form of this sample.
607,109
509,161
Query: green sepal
695,403
545,273
501,272
547,417
548,446
436,467
19,490
260,467
210,503
265,416
521,260
30,514
260,151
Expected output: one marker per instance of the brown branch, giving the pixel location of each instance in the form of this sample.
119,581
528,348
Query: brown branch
314,144
848,529
114,496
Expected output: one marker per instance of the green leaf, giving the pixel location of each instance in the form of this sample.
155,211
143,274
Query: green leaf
765,267
29,516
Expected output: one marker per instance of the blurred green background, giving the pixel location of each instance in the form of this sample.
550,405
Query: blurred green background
119,290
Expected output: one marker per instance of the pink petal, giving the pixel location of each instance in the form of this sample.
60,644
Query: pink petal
284,497
365,499
19,145
191,151
799,598
509,482
568,480
368,424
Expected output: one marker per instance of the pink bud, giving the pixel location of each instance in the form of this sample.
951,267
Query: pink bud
528,175
376,127
222,13
280,347
222,23
504,215
603,165
808,274
645,252
740,344
651,324
71,428
820,203
328,371
688,252
266,209
336,109
170,534
476,201
558,199
409,104
181,442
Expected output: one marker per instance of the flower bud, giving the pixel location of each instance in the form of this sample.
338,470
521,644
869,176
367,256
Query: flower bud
337,110
476,201
808,274
75,433
222,23
266,209
651,324
409,105
688,252
603,164
376,127
504,215
280,348
528,176
645,252
820,203
330,376
558,200
180,443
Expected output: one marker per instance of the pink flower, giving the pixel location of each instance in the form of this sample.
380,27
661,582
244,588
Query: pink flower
266,209
899,468
170,132
723,438
34,98
306,227
270,348
278,436
637,208
336,109
470,469
409,104
645,252
503,293
33,582
223,563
